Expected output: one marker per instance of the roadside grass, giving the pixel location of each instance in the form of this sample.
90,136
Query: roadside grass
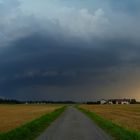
116,131
31,130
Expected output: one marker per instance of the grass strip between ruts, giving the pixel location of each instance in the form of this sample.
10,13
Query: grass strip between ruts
116,131
31,130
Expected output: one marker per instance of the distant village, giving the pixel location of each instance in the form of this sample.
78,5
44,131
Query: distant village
115,101
118,101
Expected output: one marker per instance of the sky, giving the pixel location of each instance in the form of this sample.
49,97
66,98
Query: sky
80,50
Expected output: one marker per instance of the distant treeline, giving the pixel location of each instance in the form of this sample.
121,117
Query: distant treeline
96,102
9,101
49,102
12,101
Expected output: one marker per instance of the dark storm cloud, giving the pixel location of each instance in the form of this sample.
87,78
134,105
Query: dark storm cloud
45,62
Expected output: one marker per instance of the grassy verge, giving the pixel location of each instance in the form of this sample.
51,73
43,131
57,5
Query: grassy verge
32,129
116,131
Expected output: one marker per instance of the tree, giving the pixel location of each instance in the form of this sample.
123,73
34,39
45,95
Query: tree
133,101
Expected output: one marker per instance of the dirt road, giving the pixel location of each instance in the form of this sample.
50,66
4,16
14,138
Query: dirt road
73,125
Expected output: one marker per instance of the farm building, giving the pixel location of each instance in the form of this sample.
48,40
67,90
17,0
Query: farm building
115,101
119,101
103,101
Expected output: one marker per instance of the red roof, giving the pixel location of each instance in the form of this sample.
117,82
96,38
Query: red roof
120,100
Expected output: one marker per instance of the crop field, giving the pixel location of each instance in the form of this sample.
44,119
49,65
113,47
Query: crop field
127,116
12,116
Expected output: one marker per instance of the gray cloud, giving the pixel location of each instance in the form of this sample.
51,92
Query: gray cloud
108,20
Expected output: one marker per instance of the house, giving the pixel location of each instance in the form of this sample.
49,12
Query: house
103,101
109,102
119,101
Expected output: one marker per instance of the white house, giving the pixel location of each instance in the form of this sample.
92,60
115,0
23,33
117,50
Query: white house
110,102
119,101
103,101
123,101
